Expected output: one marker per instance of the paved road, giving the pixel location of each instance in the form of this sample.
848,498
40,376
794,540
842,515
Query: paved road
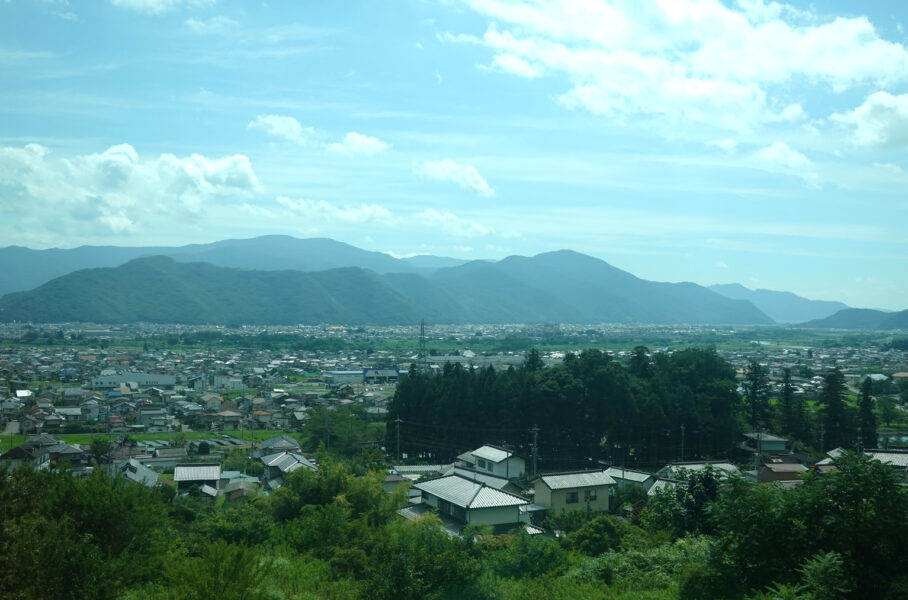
12,428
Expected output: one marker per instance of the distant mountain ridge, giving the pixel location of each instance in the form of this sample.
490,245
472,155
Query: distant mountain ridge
24,268
862,318
563,286
782,307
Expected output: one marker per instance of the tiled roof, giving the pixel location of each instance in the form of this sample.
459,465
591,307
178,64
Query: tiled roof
468,494
204,472
560,481
496,455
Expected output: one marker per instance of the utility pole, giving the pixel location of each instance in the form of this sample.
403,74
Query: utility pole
398,421
682,442
535,432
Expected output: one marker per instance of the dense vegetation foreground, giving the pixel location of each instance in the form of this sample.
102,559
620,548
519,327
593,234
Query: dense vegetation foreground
332,534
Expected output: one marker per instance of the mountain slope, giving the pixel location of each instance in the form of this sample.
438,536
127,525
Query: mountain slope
24,268
783,307
862,318
554,287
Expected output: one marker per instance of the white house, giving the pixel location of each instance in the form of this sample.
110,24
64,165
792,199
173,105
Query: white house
494,460
468,501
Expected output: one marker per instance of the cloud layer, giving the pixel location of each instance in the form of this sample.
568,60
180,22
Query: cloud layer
114,191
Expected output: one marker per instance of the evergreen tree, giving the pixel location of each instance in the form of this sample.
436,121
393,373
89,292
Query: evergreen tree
866,418
832,399
756,394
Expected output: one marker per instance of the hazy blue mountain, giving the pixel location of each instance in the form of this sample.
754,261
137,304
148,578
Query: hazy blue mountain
24,268
557,287
590,290
862,318
783,307
427,262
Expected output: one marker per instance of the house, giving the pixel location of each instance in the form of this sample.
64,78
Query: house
499,483
764,443
280,464
578,489
135,471
279,443
494,460
629,477
196,474
781,472
468,501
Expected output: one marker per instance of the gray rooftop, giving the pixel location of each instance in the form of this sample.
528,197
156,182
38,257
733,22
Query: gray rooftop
201,472
561,481
468,494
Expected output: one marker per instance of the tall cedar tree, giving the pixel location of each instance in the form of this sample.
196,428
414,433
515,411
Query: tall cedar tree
835,418
866,418
756,394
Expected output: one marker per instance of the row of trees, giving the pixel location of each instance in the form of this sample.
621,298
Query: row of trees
656,408
586,408
833,424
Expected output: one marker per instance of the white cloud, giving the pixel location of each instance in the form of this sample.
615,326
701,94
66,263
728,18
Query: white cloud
321,211
728,145
211,26
281,126
508,63
115,190
699,61
357,143
451,223
889,168
882,120
155,7
721,265
465,176
783,157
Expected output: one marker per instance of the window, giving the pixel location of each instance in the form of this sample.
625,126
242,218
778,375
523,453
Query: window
590,495
480,463
572,498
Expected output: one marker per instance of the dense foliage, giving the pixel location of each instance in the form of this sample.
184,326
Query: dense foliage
590,407
336,536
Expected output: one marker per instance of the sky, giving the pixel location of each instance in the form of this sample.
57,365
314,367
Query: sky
742,141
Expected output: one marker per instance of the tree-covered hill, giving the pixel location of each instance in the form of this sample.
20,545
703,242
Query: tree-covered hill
555,287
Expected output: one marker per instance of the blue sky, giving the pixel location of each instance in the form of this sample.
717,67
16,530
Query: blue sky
706,141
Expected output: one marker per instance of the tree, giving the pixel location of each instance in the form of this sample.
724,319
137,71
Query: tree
100,447
835,420
533,361
639,363
866,418
756,394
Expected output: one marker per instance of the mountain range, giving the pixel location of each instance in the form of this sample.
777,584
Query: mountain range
25,268
561,286
280,279
782,307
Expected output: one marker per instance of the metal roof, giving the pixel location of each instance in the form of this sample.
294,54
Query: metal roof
288,462
205,472
468,494
496,455
560,481
894,459
628,474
